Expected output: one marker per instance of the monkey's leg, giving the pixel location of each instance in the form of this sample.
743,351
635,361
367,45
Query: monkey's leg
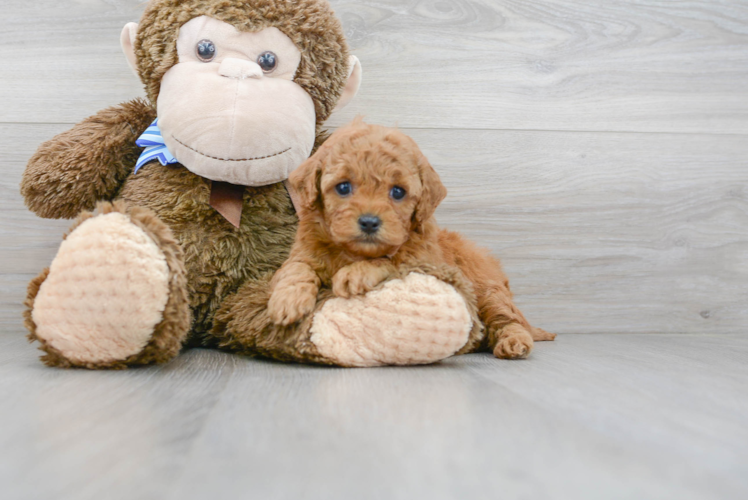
422,316
115,294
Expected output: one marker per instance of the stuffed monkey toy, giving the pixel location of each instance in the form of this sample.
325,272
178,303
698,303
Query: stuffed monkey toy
191,216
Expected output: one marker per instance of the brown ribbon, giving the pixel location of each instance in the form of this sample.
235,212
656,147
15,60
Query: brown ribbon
227,199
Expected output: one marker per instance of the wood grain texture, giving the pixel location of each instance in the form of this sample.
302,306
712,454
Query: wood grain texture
27,240
587,417
606,232
553,65
599,232
510,64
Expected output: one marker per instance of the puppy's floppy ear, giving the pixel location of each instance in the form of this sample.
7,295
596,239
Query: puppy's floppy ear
432,193
305,180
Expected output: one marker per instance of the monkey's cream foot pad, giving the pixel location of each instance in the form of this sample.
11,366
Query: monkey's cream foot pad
106,291
416,320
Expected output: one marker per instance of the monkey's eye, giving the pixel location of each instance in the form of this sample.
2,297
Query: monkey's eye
206,50
343,189
397,193
267,61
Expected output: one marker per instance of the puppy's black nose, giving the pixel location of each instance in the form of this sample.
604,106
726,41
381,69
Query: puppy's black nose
369,223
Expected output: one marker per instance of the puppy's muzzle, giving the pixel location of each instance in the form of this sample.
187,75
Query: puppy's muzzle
369,224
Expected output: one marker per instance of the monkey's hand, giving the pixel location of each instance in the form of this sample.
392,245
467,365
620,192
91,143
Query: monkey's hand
361,277
293,293
74,170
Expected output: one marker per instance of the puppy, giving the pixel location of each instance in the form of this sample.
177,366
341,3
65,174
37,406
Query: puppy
367,199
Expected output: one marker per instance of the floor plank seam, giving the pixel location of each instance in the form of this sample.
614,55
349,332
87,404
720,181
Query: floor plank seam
484,129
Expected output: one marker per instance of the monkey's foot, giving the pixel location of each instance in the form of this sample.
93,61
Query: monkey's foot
114,294
415,320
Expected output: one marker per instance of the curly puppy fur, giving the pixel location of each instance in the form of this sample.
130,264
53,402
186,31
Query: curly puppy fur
333,249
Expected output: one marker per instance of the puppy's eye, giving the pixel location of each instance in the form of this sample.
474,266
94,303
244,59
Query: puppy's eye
206,50
267,61
343,189
397,193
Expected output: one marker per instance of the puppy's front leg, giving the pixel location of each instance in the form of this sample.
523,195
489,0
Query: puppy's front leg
361,277
293,293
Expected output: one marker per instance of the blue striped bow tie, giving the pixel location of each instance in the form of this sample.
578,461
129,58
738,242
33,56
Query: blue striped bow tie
154,146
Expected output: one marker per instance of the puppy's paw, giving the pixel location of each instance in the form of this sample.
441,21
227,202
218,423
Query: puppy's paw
288,305
514,343
358,278
349,281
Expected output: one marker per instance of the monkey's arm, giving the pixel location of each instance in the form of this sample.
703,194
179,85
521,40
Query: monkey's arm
88,163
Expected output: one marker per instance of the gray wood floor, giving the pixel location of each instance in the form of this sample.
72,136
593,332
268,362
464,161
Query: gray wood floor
590,417
598,148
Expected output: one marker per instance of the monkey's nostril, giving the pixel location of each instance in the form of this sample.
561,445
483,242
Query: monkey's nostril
239,69
369,223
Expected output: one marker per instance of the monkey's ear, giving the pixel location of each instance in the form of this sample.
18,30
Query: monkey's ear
305,181
432,193
353,83
127,40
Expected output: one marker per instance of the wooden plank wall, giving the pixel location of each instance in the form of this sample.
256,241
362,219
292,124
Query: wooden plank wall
598,148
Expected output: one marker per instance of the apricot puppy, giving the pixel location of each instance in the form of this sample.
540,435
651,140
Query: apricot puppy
367,199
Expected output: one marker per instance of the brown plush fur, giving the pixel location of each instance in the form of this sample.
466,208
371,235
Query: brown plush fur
218,256
88,163
94,161
331,249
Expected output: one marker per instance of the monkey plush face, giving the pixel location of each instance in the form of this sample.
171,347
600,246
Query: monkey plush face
256,124
242,88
